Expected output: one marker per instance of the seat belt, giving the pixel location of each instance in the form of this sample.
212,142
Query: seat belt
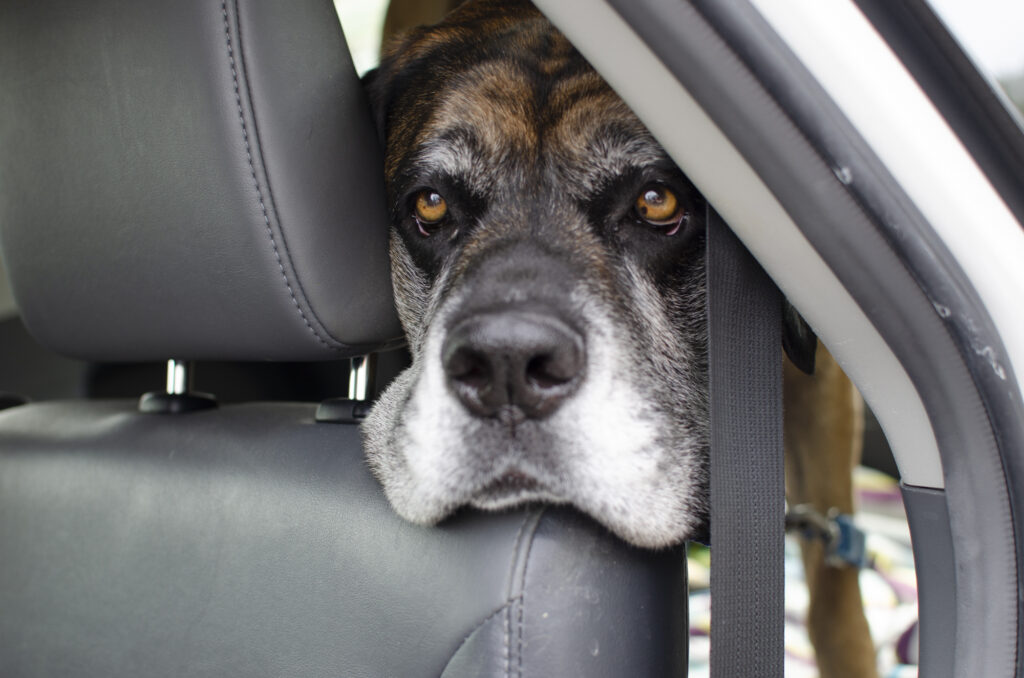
747,480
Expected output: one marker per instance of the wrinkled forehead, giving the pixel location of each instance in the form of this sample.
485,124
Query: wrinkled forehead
509,123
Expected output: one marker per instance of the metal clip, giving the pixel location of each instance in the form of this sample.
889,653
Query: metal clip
845,543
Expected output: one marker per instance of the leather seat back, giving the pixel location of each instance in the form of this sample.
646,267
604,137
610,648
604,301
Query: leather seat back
251,541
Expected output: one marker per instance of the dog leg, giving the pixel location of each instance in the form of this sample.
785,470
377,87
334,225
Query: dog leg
823,434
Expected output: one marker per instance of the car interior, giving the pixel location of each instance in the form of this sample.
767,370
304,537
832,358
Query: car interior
182,534
195,311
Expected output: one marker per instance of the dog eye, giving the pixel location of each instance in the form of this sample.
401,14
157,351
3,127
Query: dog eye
431,208
658,206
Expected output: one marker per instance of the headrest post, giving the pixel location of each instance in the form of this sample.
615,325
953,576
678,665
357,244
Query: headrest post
356,406
360,377
179,377
178,396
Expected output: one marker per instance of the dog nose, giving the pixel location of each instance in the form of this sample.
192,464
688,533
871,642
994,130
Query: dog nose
519,363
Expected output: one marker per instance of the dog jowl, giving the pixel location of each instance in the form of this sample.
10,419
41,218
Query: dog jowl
547,259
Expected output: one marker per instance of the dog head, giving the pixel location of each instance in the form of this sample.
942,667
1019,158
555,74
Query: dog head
547,259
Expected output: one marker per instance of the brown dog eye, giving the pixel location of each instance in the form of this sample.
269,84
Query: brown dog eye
431,208
658,206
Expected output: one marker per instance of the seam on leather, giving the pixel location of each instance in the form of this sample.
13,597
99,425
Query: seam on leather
480,625
507,639
522,597
252,170
507,620
534,522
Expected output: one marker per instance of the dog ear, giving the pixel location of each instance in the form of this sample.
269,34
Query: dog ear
379,82
377,93
798,339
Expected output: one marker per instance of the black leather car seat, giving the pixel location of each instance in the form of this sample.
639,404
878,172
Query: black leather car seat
200,180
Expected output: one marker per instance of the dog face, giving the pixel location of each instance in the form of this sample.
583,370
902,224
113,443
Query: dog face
547,259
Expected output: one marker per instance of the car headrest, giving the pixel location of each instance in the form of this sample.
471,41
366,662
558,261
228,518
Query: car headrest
191,179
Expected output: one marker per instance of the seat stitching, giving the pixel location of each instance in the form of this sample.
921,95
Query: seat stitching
477,627
255,179
507,620
522,592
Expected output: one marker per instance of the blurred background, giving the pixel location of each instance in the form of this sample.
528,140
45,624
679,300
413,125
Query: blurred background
363,21
992,33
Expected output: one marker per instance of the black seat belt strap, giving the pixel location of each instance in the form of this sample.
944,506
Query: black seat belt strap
747,493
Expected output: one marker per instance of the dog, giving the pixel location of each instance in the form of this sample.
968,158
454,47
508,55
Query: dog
547,260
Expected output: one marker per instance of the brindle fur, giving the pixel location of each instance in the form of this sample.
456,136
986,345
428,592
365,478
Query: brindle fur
540,162
406,14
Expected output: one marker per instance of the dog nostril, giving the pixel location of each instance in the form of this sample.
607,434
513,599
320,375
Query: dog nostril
471,374
553,369
469,367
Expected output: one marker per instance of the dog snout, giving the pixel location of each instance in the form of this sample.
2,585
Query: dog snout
517,364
